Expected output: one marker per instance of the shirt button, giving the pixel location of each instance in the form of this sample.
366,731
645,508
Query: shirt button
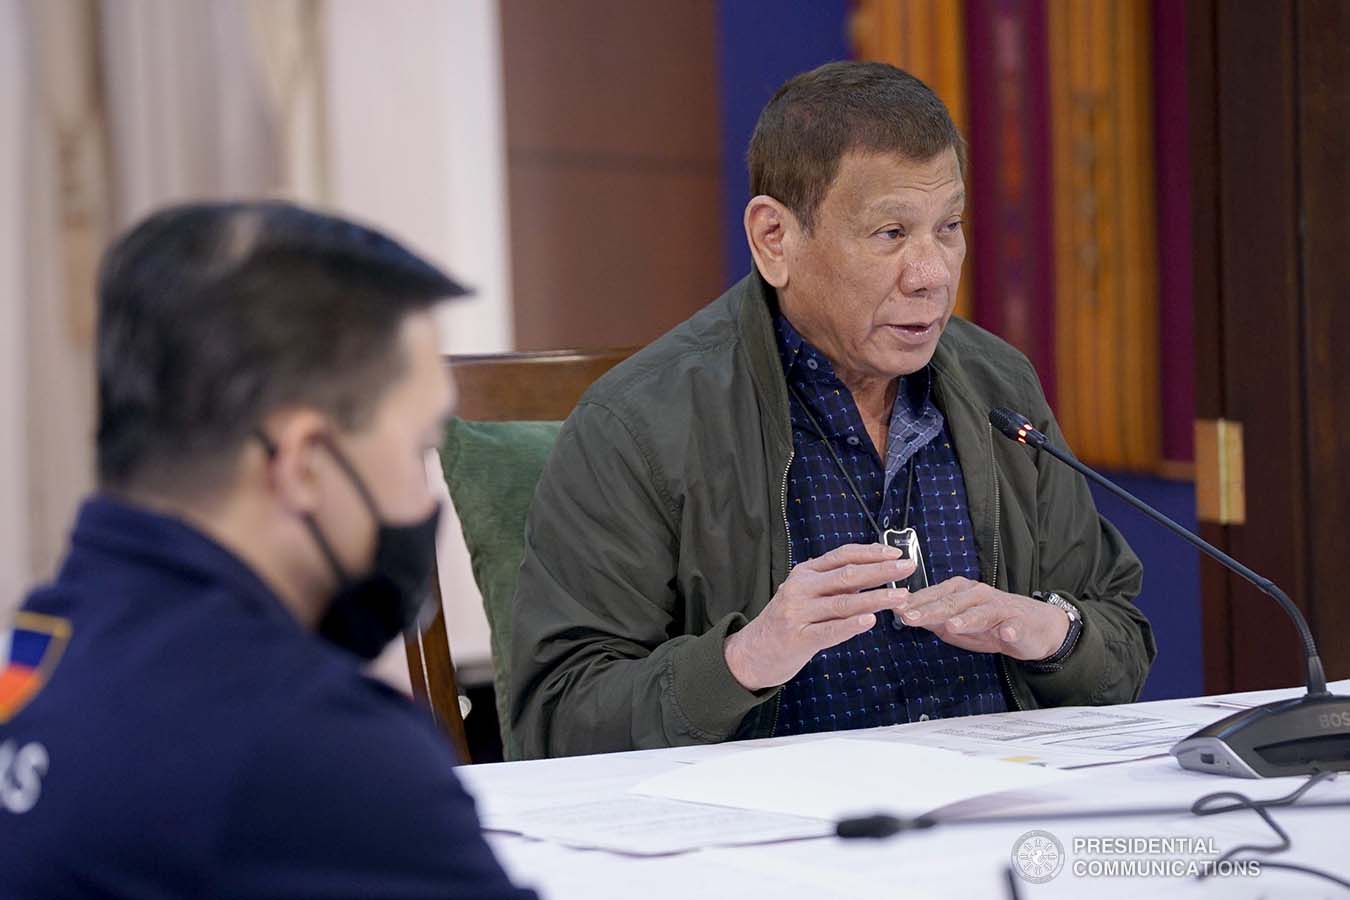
812,364
886,522
853,440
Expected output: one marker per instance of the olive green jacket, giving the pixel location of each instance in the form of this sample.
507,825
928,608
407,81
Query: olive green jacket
658,528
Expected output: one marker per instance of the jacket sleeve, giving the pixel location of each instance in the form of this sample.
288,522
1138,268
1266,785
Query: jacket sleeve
599,660
1086,560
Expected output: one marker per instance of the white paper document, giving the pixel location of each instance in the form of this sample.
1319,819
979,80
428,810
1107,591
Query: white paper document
650,826
583,802
1080,736
1064,738
834,778
504,789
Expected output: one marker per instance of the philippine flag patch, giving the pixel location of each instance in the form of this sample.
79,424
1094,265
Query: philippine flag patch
28,654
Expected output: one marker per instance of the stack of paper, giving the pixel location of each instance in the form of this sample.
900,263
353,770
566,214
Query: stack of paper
649,826
583,802
763,795
834,778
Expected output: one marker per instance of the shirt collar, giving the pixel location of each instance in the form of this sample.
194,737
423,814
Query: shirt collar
794,351
141,536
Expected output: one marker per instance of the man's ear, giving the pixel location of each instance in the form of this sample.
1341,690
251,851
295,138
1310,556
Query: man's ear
771,230
292,462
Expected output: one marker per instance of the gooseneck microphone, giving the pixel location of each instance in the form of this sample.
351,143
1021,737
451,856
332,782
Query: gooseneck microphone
1019,428
1287,737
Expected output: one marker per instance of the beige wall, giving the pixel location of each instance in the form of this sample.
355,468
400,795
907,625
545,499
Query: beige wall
395,119
415,124
14,562
51,224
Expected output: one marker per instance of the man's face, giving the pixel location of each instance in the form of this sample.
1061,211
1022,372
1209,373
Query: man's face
390,453
874,284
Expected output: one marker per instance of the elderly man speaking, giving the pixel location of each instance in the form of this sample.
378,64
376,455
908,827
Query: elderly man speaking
711,553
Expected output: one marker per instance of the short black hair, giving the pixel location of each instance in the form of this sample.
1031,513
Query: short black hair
212,315
841,107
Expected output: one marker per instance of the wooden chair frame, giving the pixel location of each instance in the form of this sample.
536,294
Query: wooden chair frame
497,387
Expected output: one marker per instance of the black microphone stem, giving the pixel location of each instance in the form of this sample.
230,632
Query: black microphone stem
1317,679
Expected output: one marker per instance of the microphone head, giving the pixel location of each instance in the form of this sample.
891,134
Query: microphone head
1015,426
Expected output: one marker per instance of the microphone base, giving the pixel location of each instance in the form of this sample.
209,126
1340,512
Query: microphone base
1287,737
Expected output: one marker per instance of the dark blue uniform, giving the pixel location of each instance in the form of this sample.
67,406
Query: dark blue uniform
168,730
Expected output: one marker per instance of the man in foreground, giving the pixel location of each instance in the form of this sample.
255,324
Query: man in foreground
184,712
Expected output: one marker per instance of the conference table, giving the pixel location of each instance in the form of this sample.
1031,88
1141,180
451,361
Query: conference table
1152,854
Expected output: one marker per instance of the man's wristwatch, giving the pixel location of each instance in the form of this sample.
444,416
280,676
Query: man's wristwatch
1055,661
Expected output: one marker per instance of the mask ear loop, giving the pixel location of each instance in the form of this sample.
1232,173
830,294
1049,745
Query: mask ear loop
357,481
325,548
312,524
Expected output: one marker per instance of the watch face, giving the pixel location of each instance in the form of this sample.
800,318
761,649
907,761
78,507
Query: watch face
1069,608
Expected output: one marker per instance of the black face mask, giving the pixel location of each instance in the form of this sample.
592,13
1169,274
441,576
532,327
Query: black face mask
395,596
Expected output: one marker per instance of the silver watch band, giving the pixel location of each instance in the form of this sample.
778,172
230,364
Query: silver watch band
1054,662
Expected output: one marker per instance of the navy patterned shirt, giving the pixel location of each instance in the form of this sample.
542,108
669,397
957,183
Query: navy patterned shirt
892,673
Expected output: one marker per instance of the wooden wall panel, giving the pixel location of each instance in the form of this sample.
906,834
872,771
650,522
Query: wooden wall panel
1271,176
1262,345
613,155
1202,68
610,256
1106,302
1323,36
923,37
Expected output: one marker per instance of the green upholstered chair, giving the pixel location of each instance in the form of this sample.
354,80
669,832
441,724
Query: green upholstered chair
511,406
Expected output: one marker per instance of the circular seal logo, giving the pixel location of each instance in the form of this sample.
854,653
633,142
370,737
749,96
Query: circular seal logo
1038,856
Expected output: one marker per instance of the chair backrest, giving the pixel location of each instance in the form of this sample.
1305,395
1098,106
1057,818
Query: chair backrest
501,387
540,386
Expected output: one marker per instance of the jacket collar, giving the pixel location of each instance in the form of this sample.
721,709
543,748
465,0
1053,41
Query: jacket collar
754,303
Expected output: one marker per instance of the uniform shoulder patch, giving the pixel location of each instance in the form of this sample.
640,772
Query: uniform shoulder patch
28,654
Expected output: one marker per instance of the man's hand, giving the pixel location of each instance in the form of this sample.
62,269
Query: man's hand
975,616
818,606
